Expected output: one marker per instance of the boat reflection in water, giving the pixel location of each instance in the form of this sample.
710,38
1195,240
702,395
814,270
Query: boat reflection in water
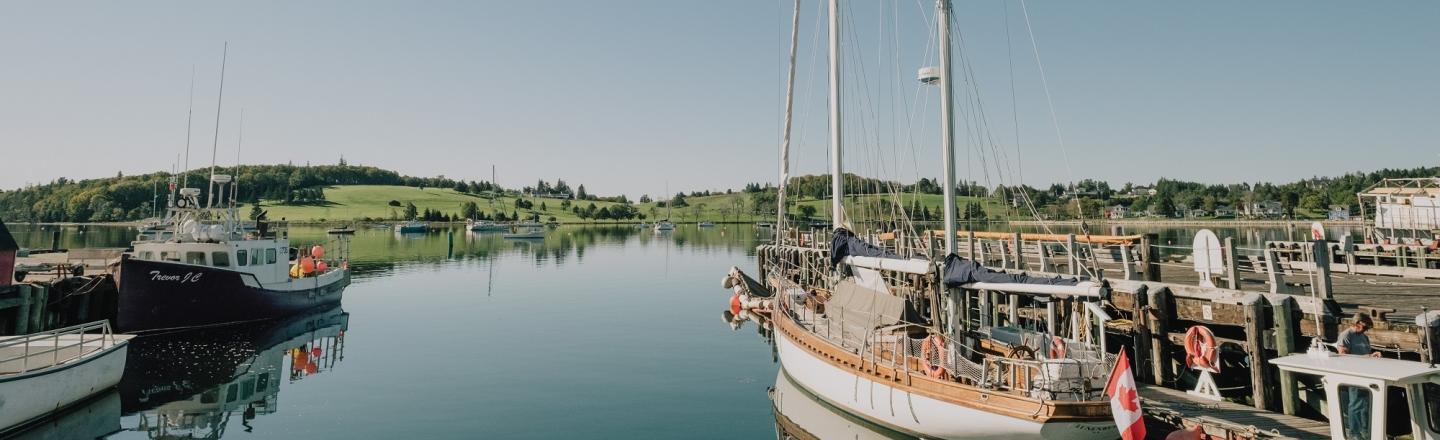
95,418
190,384
802,416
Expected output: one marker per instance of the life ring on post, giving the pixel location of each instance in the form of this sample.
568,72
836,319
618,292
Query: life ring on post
1057,347
1200,349
933,347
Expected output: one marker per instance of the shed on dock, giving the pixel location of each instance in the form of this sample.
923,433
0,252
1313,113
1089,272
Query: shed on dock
8,249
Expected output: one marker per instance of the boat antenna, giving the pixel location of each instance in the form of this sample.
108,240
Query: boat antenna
215,143
240,138
789,117
189,116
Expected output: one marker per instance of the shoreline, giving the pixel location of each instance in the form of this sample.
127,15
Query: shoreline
1135,222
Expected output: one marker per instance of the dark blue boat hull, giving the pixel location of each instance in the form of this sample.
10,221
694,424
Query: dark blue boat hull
159,295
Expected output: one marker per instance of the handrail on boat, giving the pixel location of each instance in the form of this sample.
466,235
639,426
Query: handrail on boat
105,335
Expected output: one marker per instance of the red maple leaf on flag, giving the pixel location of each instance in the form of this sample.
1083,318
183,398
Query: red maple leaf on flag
1129,399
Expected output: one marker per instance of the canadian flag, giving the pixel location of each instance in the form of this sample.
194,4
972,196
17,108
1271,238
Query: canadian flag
1125,400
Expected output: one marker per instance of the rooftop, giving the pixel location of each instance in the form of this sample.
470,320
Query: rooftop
1389,370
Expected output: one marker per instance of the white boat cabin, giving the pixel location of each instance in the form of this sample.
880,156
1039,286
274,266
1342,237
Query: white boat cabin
267,259
1374,398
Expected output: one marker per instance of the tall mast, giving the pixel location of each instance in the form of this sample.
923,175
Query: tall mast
785,143
215,144
239,140
947,123
837,180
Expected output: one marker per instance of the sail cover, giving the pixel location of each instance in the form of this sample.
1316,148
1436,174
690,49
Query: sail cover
959,271
845,244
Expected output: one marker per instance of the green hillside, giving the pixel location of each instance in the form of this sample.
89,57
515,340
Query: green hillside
359,202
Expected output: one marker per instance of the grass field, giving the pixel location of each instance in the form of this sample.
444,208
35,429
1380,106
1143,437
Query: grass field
353,202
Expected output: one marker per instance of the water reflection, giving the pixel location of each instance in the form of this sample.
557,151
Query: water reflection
190,384
94,418
800,415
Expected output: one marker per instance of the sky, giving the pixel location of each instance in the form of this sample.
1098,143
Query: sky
635,96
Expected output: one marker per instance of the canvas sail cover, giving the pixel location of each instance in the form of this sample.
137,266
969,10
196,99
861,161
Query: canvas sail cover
844,244
960,271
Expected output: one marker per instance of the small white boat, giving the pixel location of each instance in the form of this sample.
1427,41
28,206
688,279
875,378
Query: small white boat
486,226
664,225
43,373
707,224
412,226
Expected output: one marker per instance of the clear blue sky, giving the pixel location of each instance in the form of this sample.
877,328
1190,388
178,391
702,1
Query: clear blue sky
626,96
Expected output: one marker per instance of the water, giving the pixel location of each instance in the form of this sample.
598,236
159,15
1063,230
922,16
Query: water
592,332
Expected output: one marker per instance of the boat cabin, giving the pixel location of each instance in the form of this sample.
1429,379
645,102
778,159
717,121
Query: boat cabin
267,259
1373,398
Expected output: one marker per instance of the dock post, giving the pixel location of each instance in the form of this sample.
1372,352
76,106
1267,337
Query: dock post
55,241
1255,349
22,313
994,309
1284,315
1272,270
1013,309
450,251
1232,264
1159,316
1072,260
1151,256
39,296
971,242
1128,259
1322,281
1142,335
1019,252
1043,253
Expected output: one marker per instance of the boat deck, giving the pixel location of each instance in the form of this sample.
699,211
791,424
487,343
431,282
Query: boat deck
42,353
1227,417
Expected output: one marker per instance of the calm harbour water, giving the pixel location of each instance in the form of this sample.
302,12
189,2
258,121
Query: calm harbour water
593,332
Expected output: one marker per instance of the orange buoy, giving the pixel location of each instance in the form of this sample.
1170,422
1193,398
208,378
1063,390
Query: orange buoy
318,251
735,304
1057,347
1200,349
307,265
934,347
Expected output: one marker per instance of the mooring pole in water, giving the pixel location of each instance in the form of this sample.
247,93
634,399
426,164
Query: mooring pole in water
55,240
450,253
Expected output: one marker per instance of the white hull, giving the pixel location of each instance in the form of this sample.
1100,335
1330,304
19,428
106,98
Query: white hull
36,393
917,414
820,420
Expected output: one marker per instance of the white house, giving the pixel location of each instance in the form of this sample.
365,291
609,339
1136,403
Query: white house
1224,211
1268,208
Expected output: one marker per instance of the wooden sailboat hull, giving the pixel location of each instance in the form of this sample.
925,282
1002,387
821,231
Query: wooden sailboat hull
916,410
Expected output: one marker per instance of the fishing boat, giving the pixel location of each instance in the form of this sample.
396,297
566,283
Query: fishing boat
45,373
212,267
343,230
212,271
706,224
412,227
664,225
485,226
890,339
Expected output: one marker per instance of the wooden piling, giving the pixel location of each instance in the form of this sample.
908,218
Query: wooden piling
1142,337
1019,250
1322,284
1159,309
1255,349
1283,311
1072,260
1151,256
22,313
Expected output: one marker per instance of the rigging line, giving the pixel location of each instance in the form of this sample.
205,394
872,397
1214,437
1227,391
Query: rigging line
215,144
1014,102
1050,101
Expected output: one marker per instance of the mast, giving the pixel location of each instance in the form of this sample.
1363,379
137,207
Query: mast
947,123
239,140
215,144
789,116
189,116
837,181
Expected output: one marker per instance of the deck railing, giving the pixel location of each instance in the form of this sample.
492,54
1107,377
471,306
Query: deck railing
102,334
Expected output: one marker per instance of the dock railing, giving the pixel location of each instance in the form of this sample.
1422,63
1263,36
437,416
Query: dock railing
51,343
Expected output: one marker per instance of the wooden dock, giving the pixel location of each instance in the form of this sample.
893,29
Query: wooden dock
1225,419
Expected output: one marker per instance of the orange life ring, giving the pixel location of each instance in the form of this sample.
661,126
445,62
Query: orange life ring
1057,347
1200,349
934,346
735,304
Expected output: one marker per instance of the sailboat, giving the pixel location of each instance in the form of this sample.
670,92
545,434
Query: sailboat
665,225
890,339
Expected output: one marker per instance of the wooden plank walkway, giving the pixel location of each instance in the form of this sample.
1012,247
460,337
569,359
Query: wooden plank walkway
1167,404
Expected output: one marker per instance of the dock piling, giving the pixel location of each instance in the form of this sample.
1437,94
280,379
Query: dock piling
1285,330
